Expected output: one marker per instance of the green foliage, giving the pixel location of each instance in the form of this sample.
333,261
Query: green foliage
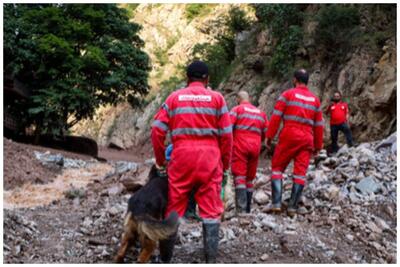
161,55
74,58
337,27
279,17
375,36
283,59
285,23
219,55
130,8
237,20
196,10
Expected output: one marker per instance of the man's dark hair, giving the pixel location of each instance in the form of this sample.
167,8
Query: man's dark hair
337,92
301,75
194,79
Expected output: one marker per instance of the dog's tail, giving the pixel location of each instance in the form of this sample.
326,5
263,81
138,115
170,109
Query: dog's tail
158,230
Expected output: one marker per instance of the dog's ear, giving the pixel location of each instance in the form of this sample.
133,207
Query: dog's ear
135,187
153,172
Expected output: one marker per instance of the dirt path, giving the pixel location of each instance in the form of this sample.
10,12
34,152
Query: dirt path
34,195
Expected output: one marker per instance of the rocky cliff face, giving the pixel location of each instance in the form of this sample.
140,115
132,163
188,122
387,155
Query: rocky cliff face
367,76
367,80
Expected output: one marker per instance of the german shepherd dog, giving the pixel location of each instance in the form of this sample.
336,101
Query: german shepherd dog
144,219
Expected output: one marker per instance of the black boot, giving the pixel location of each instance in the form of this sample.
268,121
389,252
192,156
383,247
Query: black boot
249,198
276,188
167,248
210,241
294,199
241,200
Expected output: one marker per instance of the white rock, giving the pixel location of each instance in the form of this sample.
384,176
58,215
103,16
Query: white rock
382,224
374,228
113,211
264,257
115,190
269,223
333,191
368,185
261,197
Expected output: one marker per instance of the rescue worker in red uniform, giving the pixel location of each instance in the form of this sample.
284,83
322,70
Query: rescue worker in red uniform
300,137
338,112
201,132
249,127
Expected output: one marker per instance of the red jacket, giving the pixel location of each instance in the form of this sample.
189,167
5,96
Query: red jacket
248,120
194,116
301,109
338,113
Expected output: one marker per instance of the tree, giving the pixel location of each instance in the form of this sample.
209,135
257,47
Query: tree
74,58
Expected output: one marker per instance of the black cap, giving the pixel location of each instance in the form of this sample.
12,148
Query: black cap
301,75
198,69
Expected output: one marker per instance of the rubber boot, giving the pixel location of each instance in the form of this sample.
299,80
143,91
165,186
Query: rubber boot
276,188
294,199
167,248
210,241
241,200
249,198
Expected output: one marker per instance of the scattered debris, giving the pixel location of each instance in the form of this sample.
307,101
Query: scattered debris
347,222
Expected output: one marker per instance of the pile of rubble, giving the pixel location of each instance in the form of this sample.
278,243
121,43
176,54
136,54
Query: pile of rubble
344,190
57,160
351,199
362,174
18,234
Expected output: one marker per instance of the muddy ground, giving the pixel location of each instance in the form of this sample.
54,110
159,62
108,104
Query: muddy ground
76,216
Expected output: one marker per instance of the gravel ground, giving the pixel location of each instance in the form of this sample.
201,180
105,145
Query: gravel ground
84,223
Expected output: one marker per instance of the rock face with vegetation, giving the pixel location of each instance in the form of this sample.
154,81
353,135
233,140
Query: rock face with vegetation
170,32
350,48
362,66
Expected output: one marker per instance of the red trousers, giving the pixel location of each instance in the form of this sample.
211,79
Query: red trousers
294,144
245,153
198,167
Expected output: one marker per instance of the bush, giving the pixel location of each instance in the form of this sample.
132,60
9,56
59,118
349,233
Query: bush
216,57
285,23
219,55
236,20
161,55
130,8
283,59
195,10
337,27
279,17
